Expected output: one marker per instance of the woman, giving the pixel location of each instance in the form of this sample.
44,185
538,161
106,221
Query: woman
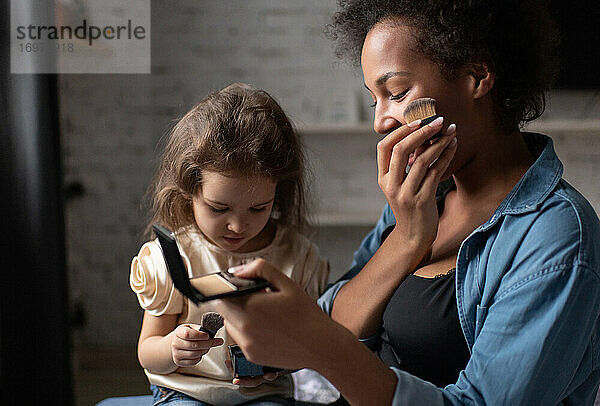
514,245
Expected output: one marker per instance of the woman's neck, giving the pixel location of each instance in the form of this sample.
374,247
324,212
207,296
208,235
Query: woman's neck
490,175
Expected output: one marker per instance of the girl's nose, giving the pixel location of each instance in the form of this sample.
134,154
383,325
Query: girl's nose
237,226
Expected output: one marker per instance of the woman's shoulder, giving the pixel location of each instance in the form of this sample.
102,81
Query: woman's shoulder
565,225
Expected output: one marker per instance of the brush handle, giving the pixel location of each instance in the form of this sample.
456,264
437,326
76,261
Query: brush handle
211,334
428,120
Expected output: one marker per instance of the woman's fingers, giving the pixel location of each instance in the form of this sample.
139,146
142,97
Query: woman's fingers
385,146
437,169
396,149
423,164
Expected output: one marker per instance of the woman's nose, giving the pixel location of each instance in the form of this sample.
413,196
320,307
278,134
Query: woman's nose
383,121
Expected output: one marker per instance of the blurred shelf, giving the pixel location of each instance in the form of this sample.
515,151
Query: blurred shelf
363,219
540,125
361,136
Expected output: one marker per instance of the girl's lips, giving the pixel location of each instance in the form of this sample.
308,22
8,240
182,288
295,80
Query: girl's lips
233,240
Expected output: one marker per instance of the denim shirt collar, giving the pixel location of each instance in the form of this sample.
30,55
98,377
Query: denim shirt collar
533,188
539,180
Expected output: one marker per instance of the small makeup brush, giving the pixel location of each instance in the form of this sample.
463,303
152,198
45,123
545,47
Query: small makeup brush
423,109
211,323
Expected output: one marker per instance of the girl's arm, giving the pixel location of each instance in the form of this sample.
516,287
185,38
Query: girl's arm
162,348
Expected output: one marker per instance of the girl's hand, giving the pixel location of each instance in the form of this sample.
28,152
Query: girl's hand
412,196
189,344
253,381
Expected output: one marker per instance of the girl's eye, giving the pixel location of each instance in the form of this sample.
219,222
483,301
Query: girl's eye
215,210
257,209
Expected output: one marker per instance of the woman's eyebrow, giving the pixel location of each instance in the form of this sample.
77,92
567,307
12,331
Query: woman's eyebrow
387,76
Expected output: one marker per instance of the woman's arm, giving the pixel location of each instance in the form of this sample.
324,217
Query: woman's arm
162,348
360,303
285,328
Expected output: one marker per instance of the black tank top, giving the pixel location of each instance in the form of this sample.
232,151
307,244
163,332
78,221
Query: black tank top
421,331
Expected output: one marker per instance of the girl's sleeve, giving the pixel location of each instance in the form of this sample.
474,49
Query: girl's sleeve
316,272
151,282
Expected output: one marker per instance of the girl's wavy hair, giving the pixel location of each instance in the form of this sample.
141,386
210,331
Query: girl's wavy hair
515,38
237,131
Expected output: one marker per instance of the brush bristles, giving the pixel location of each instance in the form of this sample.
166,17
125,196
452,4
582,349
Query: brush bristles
419,109
211,323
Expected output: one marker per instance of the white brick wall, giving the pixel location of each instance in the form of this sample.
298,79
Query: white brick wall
111,125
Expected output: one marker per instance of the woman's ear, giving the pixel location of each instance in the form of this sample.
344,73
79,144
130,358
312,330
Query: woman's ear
482,79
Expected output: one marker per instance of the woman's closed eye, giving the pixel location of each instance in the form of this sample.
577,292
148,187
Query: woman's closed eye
399,96
395,97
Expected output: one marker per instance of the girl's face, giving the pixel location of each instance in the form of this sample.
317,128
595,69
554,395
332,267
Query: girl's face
395,74
232,211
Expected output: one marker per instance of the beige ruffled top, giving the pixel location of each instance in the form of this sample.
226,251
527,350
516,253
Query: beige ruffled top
210,380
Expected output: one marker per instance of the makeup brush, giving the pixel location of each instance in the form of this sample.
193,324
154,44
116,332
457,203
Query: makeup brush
423,109
211,323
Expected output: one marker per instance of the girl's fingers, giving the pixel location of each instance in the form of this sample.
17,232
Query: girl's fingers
190,354
195,345
249,382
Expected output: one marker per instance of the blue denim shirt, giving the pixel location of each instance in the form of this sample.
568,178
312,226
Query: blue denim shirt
528,297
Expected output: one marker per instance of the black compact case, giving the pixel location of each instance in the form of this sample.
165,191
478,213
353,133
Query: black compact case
206,287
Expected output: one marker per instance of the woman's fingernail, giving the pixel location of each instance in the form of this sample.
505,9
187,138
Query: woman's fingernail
437,122
453,141
236,269
414,123
451,129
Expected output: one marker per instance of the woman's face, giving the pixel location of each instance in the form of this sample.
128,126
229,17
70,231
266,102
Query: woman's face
395,74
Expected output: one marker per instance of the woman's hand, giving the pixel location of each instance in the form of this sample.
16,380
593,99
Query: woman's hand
189,344
412,196
282,328
285,328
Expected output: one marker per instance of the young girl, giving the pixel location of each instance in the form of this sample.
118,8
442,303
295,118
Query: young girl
231,183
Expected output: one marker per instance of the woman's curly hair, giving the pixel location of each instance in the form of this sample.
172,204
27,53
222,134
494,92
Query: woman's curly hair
516,39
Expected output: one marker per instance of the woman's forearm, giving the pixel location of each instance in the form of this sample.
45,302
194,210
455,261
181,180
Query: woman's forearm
360,303
154,354
361,377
